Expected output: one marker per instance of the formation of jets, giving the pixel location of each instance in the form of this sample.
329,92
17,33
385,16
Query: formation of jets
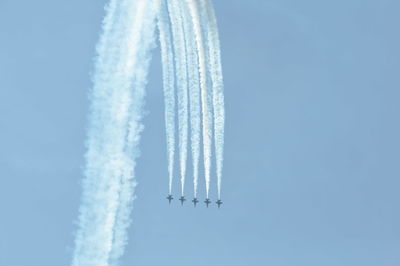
195,201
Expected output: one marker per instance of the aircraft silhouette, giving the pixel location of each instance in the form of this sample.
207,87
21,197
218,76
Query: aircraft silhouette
169,198
195,201
207,202
182,199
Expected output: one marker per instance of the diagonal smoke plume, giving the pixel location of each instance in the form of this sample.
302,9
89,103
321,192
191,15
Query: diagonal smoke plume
114,132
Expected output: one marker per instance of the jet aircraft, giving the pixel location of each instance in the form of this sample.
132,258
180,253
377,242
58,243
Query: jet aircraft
195,201
182,199
219,202
169,198
207,202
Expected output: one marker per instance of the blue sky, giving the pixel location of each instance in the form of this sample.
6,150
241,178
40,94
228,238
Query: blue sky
312,149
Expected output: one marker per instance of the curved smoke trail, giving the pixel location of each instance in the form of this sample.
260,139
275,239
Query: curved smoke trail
114,132
217,87
207,132
175,10
167,58
194,96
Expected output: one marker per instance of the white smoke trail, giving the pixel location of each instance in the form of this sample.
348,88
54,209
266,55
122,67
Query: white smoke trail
145,28
175,9
207,130
167,57
217,87
194,95
113,133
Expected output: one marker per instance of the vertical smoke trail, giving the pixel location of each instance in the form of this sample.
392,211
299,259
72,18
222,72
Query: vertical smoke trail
114,130
144,27
167,57
194,95
175,10
217,87
207,132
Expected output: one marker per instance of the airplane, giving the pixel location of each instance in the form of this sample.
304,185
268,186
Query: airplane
182,199
169,198
195,201
207,202
219,202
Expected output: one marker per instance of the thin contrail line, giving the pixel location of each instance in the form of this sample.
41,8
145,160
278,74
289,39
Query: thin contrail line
167,58
194,95
207,130
174,7
217,86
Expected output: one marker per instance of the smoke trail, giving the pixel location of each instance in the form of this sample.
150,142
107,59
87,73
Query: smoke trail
207,132
194,95
114,131
168,80
145,27
217,87
175,9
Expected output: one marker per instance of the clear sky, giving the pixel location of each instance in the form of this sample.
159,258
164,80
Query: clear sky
312,153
